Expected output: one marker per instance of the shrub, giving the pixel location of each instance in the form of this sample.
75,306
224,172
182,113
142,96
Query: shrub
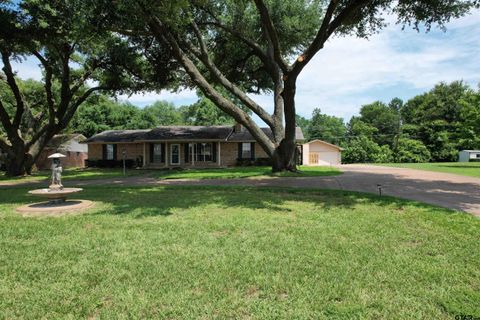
364,150
409,151
129,163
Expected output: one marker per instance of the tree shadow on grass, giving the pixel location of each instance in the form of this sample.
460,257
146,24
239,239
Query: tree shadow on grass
165,201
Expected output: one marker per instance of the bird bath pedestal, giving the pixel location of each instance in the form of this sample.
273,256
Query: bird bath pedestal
56,194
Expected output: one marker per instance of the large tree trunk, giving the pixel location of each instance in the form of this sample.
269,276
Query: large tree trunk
15,162
284,158
21,159
285,155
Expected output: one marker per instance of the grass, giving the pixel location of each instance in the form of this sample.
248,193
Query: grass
471,169
77,174
243,253
223,173
244,172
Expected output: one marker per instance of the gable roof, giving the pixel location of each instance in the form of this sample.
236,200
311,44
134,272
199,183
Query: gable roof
325,142
61,140
179,133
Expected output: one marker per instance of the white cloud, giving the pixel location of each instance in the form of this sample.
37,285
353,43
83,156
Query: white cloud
341,77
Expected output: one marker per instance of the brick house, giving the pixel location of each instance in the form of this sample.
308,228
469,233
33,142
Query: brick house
178,146
68,144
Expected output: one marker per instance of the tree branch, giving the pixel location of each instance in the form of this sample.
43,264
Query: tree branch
271,33
162,34
4,145
327,28
47,86
65,93
12,83
73,108
5,119
257,49
204,57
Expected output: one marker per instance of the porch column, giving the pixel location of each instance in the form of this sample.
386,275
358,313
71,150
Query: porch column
144,155
193,154
167,158
218,153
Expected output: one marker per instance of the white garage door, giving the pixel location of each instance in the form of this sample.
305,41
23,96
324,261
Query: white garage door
323,158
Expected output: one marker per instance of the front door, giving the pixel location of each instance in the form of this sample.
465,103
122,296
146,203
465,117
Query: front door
175,154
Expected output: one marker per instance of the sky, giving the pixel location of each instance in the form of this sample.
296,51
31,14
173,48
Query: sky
350,72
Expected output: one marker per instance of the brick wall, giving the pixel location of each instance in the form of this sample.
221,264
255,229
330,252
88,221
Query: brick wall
73,159
95,151
228,154
132,151
259,152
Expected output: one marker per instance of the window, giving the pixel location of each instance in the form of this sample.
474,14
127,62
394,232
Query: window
246,150
478,155
175,154
157,153
109,152
203,151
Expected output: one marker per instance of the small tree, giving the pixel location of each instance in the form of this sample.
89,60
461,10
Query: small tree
325,127
71,51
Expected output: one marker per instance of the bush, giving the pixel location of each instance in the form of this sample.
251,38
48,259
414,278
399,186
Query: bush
256,162
364,150
129,163
410,151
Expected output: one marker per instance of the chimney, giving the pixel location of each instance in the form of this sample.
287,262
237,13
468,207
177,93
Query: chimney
238,127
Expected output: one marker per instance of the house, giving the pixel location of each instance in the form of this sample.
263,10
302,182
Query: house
68,144
319,153
178,146
469,155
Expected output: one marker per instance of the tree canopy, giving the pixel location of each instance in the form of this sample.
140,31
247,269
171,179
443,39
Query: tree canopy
71,51
253,46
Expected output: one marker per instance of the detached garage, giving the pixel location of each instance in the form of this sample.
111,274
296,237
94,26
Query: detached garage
321,153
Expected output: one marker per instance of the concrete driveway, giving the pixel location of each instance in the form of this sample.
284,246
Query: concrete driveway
442,189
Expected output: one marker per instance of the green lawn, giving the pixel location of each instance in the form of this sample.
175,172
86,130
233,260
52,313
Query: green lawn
244,172
77,174
238,253
471,169
224,173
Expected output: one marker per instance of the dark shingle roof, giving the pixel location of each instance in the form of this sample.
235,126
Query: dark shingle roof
245,135
118,136
189,133
179,133
59,140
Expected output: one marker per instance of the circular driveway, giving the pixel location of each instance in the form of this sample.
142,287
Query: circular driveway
442,189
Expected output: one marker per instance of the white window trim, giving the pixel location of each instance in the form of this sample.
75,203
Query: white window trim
112,153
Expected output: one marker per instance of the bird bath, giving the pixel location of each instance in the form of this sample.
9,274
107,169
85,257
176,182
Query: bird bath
55,196
56,193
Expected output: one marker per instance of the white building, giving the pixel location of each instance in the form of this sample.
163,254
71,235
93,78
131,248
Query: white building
321,153
468,155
